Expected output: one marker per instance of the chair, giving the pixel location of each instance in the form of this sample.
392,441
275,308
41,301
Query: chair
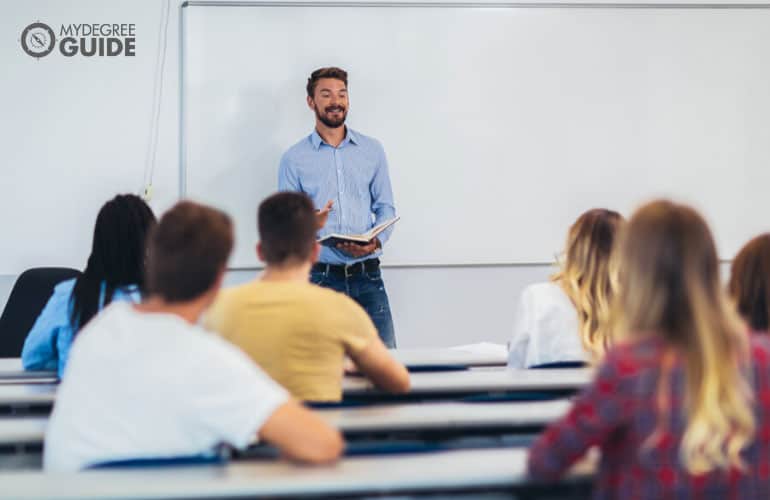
29,295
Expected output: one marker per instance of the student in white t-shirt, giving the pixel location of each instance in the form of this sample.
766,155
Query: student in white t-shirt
566,319
143,381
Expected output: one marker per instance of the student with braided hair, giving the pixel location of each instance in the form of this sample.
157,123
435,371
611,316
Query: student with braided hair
115,271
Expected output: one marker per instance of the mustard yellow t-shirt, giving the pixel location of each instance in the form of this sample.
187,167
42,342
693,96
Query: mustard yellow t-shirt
298,333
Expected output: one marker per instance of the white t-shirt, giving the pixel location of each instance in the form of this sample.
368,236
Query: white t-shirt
150,385
545,329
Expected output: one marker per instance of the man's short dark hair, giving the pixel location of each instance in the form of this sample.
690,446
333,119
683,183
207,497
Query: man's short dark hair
187,250
332,72
287,227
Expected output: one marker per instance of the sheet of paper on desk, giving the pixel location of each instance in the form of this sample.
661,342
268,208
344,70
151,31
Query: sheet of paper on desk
485,348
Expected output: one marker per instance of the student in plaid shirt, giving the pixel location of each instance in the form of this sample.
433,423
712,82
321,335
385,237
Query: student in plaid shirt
680,408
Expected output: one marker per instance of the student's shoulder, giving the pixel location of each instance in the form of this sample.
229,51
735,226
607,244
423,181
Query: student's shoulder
326,299
218,352
64,289
546,292
631,358
104,325
543,288
233,296
130,293
326,296
59,301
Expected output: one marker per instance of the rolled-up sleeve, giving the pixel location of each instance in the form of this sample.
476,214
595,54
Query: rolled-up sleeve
287,178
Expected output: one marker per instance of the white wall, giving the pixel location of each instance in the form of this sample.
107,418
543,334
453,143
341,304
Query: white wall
76,131
432,306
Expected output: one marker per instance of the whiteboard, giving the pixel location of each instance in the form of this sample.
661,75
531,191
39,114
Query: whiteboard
501,123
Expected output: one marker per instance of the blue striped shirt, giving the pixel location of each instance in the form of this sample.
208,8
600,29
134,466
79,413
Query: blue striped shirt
354,175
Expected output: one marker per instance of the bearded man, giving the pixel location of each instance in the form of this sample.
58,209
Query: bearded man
345,173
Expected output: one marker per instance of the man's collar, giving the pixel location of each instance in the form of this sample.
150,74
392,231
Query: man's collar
350,136
315,139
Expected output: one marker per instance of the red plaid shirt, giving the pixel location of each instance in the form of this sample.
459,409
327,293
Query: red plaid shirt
618,414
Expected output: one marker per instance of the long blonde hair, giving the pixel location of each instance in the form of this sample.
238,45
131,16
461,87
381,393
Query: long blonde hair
670,288
587,276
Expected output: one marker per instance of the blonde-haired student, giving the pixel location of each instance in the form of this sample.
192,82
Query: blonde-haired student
566,318
680,407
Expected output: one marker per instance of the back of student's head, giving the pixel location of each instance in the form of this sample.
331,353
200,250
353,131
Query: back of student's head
587,275
287,227
750,283
117,255
670,288
187,252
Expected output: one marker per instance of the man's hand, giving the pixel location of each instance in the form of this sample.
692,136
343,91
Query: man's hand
323,215
357,250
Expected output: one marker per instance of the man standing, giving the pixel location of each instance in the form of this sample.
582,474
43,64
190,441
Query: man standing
346,173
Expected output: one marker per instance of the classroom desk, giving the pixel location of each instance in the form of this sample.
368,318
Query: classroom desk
466,471
22,431
424,385
26,398
461,358
433,416
438,385
12,372
374,419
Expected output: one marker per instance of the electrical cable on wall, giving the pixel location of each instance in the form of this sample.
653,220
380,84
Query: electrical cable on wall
154,129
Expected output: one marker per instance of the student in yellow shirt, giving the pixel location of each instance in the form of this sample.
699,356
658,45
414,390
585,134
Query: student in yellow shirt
298,332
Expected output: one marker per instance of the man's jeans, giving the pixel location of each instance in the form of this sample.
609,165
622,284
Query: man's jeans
368,290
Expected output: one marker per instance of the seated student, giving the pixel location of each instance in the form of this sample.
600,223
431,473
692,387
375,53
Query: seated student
299,333
566,318
144,382
750,283
114,271
679,407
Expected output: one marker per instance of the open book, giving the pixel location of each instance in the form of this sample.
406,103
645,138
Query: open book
331,240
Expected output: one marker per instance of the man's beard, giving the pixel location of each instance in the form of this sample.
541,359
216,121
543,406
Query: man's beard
331,122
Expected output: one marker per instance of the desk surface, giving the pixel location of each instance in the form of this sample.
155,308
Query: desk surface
422,383
27,394
412,417
429,416
12,372
27,430
444,471
482,381
461,356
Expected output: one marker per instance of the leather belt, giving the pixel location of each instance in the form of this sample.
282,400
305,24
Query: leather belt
346,271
